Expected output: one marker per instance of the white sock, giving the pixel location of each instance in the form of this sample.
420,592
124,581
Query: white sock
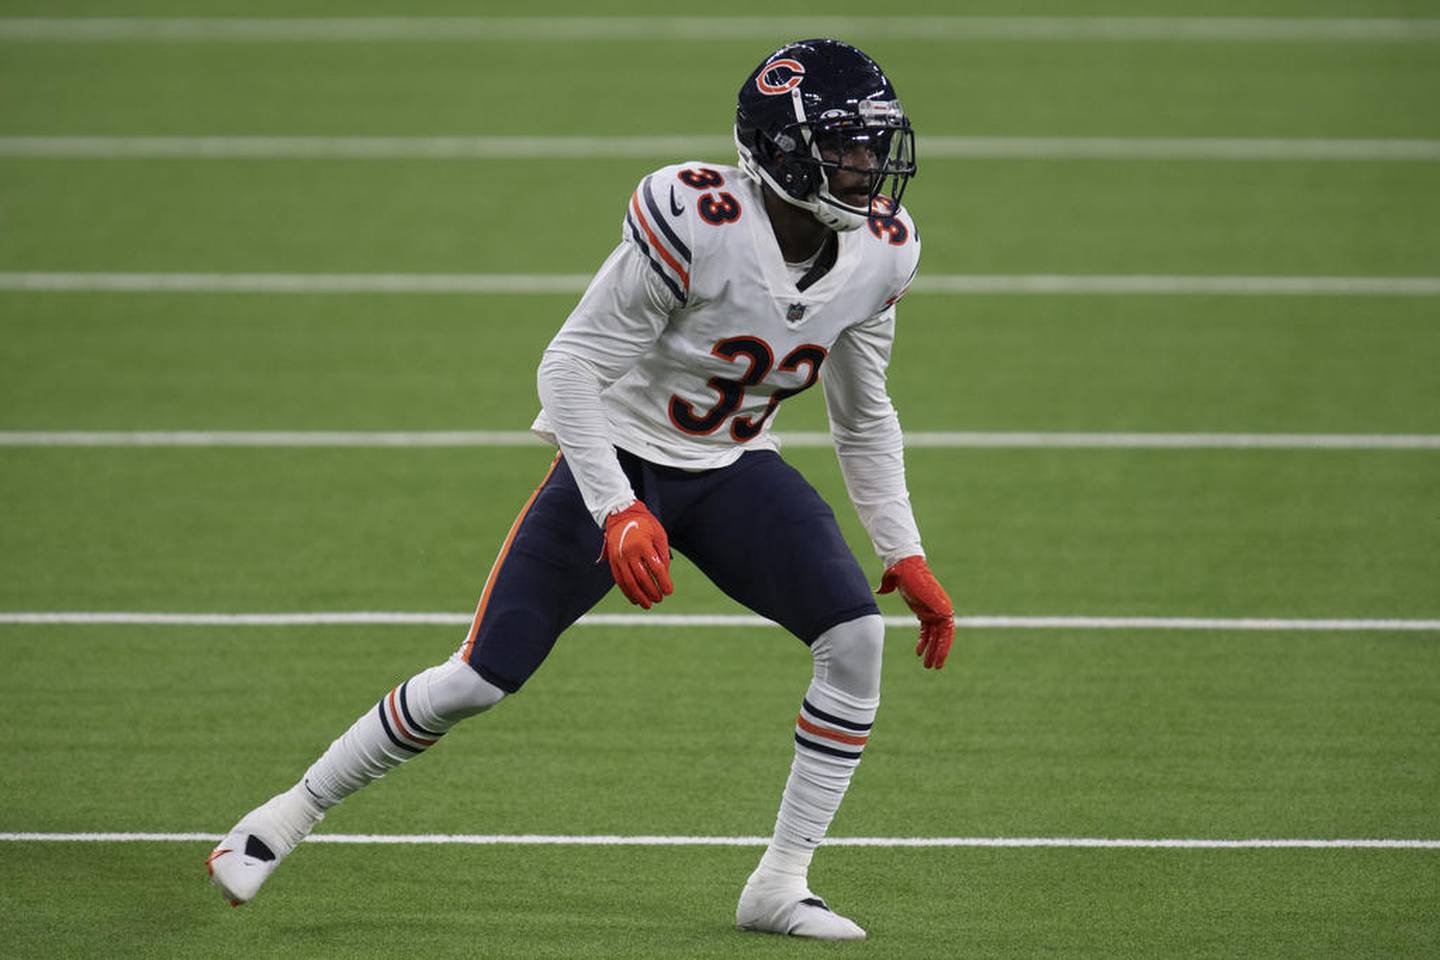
830,734
406,722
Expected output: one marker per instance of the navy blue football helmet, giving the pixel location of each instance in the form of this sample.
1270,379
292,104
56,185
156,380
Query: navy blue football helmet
816,106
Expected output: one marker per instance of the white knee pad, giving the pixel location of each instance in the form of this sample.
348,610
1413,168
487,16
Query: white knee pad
848,655
451,692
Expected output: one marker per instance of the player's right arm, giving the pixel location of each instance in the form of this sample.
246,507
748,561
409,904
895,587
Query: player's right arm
615,323
623,312
618,320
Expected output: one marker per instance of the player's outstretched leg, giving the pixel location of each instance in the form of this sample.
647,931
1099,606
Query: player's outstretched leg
830,733
407,721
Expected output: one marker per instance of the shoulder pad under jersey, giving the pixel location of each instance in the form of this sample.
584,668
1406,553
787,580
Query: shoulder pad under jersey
895,236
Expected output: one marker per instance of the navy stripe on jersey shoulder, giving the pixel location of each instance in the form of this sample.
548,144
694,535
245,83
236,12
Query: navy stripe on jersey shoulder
663,224
655,265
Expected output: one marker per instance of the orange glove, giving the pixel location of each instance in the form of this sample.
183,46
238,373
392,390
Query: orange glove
927,598
639,555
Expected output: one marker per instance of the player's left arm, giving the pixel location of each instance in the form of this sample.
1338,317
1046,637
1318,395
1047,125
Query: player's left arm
870,446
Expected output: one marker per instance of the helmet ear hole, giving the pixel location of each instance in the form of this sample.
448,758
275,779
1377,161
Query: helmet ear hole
798,179
791,174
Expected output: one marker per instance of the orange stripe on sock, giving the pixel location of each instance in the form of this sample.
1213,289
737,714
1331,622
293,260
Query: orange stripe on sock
836,735
495,569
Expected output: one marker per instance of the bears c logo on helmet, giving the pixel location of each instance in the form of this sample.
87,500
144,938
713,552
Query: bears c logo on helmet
780,76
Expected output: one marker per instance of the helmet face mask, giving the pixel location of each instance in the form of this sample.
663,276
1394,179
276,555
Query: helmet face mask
820,124
883,155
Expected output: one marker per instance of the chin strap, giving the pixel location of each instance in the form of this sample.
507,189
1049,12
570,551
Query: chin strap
829,212
822,205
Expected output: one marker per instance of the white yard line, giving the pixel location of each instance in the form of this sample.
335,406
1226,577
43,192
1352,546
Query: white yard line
614,840
559,283
407,283
1176,284
711,29
673,146
732,621
409,148
1177,148
953,439
273,438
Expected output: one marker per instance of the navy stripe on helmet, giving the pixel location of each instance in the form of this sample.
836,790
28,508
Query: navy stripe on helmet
660,222
654,264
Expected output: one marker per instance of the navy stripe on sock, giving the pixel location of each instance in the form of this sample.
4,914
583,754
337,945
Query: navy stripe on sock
384,722
405,712
680,247
654,264
831,718
822,748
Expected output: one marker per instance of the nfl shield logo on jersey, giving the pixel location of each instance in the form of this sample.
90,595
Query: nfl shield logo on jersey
796,313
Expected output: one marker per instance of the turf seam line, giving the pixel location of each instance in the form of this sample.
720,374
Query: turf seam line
940,439
379,618
203,147
613,840
710,29
1043,284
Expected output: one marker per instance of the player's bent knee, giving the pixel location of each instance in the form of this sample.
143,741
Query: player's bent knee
454,691
848,656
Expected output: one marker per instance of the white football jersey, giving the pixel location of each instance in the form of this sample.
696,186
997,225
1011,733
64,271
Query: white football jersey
694,366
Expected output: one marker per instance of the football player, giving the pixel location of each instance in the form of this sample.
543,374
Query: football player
732,288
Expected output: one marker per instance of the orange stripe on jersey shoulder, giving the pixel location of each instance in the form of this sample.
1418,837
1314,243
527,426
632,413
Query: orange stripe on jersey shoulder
836,735
499,560
655,241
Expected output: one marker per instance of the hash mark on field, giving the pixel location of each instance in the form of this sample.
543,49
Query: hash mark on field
710,29
593,147
955,284
613,840
731,620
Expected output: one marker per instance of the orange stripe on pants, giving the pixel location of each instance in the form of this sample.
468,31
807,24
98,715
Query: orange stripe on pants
495,569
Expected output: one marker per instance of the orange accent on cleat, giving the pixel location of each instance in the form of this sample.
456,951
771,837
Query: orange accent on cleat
215,854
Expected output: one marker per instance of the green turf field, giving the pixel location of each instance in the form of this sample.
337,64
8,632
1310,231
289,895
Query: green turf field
1149,734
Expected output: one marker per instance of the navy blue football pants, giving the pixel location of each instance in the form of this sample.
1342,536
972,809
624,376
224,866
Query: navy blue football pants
756,528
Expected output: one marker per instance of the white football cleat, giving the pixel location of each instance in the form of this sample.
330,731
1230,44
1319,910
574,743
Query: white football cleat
255,846
795,913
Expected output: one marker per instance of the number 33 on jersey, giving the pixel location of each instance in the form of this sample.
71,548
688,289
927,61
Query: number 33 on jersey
733,329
